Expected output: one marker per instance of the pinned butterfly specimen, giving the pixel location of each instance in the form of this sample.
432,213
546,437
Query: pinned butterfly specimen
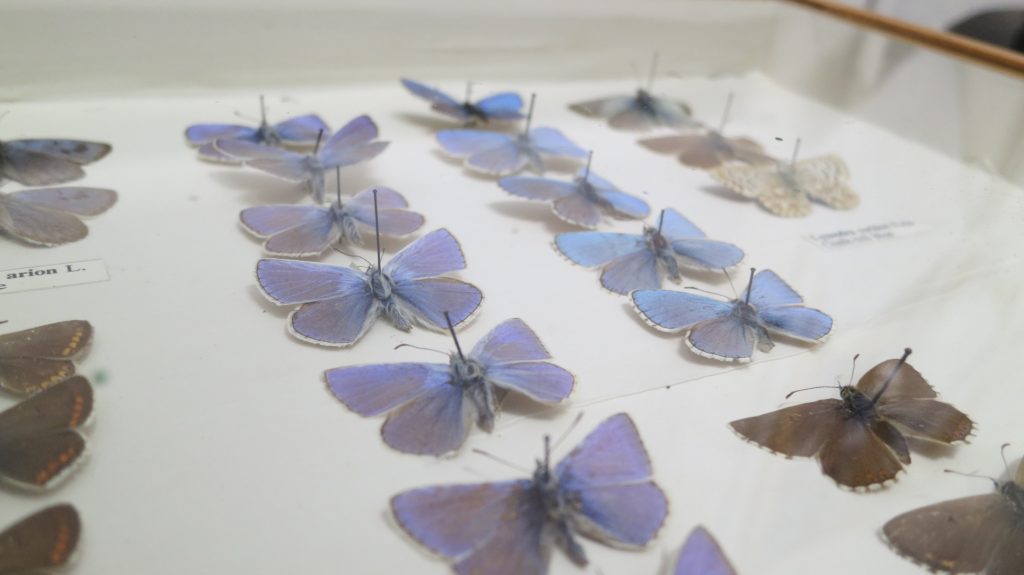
353,143
641,111
638,261
300,131
499,154
337,305
34,359
39,441
502,106
860,438
40,542
602,490
431,406
978,534
50,216
729,330
701,555
47,162
709,148
307,231
787,189
581,202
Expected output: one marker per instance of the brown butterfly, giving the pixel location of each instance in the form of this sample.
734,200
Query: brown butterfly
983,533
44,540
35,359
859,438
708,150
39,441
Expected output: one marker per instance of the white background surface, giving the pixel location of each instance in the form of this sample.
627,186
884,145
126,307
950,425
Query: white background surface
217,449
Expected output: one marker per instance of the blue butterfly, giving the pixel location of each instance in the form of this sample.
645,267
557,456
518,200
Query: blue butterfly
602,490
431,406
582,201
638,261
728,331
307,231
301,131
338,304
502,106
701,555
500,154
352,144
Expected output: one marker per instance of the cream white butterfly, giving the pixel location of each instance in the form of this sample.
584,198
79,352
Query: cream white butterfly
787,188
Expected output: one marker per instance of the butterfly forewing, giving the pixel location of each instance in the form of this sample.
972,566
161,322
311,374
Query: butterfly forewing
701,555
67,405
42,541
34,359
797,431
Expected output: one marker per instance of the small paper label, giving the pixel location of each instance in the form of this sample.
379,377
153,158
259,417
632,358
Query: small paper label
53,276
865,234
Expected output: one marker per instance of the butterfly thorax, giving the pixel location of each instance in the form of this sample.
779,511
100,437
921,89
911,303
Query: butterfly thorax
590,193
469,375
1014,495
382,289
747,314
856,403
662,250
473,112
346,223
266,134
557,513
645,101
788,177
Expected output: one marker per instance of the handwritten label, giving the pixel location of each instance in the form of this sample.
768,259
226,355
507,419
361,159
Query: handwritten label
53,276
865,234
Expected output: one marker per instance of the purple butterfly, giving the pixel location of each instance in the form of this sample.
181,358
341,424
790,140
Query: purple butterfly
701,555
301,131
728,330
602,490
50,216
307,231
502,106
431,406
581,202
352,144
45,162
500,154
638,261
338,305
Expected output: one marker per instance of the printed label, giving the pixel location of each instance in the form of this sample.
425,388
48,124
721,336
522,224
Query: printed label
53,276
863,235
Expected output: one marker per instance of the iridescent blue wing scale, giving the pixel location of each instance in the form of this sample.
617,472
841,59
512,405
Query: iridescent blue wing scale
591,249
674,310
302,130
701,555
502,106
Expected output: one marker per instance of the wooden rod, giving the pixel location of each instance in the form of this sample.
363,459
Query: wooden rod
1000,58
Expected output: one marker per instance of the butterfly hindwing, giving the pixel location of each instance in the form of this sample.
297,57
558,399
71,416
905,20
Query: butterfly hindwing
42,541
701,555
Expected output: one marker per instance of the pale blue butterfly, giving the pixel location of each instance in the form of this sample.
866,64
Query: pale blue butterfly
602,490
501,106
431,406
300,131
638,261
500,154
728,331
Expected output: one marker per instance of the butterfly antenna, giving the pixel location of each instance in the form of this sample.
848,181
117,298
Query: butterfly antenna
975,475
728,110
568,430
529,113
796,151
337,183
795,391
319,136
376,226
735,293
451,329
714,293
892,376
750,284
661,220
500,460
586,169
1002,450
654,70
853,369
401,345
344,253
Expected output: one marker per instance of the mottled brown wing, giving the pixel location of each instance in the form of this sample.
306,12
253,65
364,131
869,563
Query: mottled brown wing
797,431
855,457
41,461
666,144
35,359
958,536
61,340
66,405
908,382
43,540
694,150
927,419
